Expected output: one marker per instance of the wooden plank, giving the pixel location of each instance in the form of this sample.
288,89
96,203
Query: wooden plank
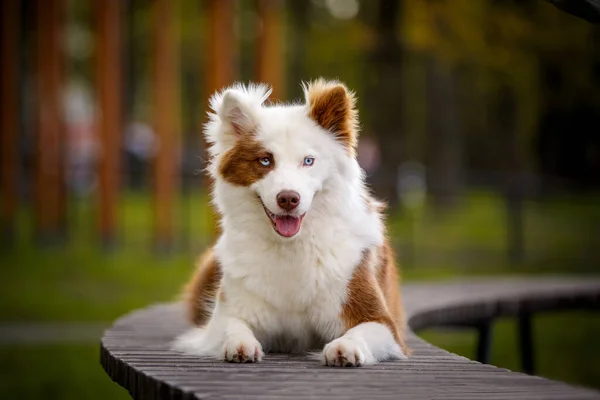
136,353
270,62
110,121
220,61
166,124
50,189
9,129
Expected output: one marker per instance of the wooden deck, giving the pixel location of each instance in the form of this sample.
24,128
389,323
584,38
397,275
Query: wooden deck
135,352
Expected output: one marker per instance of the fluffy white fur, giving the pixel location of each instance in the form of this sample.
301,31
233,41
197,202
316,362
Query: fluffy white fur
285,294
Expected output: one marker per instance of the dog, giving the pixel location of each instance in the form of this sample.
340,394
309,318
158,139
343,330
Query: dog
302,260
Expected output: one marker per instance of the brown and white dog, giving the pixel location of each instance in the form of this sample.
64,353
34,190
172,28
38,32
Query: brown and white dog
303,260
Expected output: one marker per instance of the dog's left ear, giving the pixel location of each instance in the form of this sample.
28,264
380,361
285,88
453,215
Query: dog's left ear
333,107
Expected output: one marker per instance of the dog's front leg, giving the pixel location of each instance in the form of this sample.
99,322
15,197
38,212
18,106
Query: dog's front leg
366,343
240,345
225,337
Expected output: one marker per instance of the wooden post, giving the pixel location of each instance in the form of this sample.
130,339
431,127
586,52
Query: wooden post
221,48
110,121
9,133
484,341
526,342
297,45
50,189
270,56
166,124
220,59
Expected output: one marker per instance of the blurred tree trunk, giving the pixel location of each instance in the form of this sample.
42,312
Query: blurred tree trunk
9,109
444,144
299,18
129,61
166,124
270,58
555,133
109,73
50,189
504,125
383,96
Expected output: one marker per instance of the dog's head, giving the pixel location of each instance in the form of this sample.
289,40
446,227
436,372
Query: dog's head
282,154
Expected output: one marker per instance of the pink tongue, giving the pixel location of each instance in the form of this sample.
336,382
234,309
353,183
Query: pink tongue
287,226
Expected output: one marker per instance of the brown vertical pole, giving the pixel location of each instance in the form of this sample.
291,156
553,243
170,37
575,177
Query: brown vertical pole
270,37
221,49
50,193
9,133
166,124
110,122
220,58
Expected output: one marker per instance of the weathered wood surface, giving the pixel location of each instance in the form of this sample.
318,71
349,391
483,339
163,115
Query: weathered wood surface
135,353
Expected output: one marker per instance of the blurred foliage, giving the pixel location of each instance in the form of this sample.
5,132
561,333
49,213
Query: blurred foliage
505,43
494,35
543,58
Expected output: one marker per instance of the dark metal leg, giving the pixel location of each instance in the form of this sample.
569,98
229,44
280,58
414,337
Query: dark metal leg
526,342
484,346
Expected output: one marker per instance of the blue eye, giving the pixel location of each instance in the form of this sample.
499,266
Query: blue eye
265,161
308,161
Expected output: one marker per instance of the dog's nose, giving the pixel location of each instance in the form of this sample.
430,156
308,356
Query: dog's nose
288,200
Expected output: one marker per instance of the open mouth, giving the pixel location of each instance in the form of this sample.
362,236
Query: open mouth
286,225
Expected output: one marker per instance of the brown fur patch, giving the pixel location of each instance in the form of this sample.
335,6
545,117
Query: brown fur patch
374,296
203,288
240,165
389,281
332,106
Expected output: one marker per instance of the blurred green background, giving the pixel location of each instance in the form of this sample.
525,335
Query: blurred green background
496,102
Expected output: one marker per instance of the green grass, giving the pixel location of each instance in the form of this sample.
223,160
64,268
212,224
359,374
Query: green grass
83,283
560,235
60,372
80,282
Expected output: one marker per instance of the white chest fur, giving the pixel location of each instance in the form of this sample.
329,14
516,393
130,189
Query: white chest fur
290,295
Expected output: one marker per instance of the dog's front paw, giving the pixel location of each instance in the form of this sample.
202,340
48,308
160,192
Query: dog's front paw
242,351
343,352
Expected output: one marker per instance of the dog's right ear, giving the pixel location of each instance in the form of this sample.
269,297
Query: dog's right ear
237,114
235,111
